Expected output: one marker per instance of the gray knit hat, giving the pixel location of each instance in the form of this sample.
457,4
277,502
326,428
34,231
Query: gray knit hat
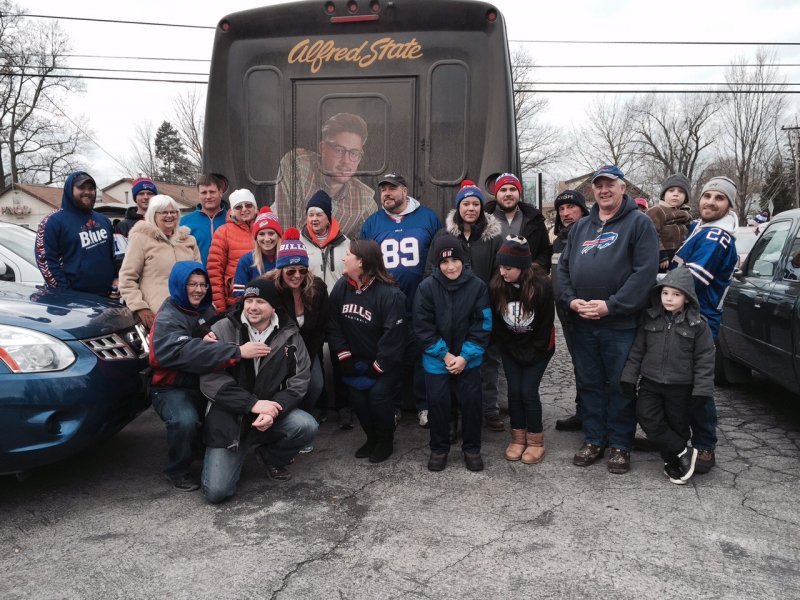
677,180
721,184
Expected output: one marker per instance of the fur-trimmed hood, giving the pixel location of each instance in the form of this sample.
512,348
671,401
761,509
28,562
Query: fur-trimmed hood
491,228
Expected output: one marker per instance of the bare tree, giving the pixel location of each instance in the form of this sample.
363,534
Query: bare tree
189,111
607,137
672,132
539,142
32,85
144,162
754,105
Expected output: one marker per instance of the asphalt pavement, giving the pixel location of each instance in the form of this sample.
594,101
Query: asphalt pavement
106,524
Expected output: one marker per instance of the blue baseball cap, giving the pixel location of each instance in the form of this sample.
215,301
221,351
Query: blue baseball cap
610,171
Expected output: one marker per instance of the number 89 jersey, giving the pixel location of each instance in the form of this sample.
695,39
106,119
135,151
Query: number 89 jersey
404,241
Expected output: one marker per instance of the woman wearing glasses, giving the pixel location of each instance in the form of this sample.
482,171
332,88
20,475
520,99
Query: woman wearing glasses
267,234
230,242
305,298
155,244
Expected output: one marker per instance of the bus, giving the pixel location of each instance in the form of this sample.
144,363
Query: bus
333,94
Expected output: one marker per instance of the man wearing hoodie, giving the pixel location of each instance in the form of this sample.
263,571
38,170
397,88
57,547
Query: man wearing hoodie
178,355
710,254
75,244
404,230
605,275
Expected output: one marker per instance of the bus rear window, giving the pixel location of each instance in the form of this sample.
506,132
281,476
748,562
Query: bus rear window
448,124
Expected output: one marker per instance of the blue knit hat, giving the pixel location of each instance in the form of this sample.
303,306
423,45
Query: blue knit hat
292,251
468,188
142,184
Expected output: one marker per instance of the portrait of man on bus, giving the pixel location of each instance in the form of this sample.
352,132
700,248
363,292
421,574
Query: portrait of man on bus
332,169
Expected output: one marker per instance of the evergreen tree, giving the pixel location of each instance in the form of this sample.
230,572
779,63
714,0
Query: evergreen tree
174,165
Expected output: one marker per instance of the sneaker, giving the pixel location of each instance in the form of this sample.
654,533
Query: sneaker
705,461
278,473
587,454
683,466
345,419
398,414
672,469
320,414
619,461
422,415
473,462
494,423
184,483
573,423
307,449
437,462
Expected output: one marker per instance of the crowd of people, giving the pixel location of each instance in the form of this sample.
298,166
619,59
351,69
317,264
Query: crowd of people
240,303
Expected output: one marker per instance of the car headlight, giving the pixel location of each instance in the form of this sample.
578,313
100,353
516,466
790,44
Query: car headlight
28,351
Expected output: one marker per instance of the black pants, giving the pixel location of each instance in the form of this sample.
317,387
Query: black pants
663,412
468,393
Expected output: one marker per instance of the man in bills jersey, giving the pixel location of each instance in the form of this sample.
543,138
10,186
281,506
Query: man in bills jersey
404,230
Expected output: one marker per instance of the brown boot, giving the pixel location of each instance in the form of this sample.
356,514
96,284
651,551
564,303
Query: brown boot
517,445
534,453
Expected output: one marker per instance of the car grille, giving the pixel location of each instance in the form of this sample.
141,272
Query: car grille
124,345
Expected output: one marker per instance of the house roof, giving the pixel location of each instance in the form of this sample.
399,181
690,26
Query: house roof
583,184
49,194
183,194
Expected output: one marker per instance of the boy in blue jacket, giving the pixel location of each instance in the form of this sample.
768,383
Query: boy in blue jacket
453,322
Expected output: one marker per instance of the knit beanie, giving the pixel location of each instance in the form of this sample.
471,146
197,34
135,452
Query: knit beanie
468,188
677,180
322,201
721,184
264,289
448,246
141,184
515,253
506,179
569,197
239,196
266,219
292,251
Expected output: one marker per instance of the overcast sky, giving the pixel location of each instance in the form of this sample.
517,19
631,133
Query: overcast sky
114,108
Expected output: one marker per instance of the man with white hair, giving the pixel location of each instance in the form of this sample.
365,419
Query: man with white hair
710,254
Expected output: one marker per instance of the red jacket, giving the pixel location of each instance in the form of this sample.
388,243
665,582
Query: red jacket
230,242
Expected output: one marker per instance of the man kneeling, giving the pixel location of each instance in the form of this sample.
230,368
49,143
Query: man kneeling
254,403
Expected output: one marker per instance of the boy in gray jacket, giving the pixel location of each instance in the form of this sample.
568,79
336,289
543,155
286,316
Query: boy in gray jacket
673,353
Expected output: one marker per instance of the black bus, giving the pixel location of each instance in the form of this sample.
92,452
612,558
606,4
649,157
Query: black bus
332,94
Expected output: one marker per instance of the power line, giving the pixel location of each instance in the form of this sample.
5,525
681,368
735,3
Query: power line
134,57
110,70
52,76
651,91
119,21
693,83
655,43
534,66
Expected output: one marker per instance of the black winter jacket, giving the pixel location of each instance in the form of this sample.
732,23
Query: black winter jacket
482,246
533,229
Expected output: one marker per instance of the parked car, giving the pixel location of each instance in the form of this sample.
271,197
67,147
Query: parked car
760,327
71,373
18,255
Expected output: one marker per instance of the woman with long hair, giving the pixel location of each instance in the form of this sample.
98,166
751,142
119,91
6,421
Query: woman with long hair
367,335
267,234
522,301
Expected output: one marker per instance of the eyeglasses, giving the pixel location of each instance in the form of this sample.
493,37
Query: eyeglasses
167,213
243,206
293,272
339,151
197,286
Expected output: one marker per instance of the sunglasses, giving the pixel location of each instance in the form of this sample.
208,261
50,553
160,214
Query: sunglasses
293,272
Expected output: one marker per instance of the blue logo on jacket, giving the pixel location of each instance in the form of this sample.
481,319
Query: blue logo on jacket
604,240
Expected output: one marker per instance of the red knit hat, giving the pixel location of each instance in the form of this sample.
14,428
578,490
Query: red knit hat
506,179
266,219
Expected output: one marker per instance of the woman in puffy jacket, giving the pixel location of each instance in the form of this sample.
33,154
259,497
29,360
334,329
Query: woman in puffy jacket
267,234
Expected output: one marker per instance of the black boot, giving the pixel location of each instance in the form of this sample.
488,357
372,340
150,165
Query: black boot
384,446
368,447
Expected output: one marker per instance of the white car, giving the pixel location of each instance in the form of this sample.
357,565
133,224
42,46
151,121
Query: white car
18,255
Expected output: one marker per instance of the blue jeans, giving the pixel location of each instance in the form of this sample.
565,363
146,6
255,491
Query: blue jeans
609,415
468,394
704,426
566,329
524,403
181,409
282,442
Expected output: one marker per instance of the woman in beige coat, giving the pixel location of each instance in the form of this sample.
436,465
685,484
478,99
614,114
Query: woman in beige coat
155,244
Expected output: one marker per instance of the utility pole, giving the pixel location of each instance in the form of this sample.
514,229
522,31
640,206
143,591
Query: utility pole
796,153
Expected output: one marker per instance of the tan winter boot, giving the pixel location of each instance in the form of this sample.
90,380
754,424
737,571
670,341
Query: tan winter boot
517,445
534,453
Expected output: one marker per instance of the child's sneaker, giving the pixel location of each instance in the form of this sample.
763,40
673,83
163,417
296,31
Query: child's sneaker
683,466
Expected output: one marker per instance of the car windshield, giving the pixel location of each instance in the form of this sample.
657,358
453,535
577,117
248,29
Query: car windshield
745,241
21,242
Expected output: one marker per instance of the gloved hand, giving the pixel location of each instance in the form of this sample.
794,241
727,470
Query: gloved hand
628,388
374,372
361,368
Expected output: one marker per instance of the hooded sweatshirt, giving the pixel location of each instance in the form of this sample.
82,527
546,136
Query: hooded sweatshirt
178,355
673,348
75,248
615,261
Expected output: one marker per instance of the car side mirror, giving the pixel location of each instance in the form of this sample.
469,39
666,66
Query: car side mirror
738,274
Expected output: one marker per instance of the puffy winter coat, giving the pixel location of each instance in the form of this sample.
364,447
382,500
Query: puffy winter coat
230,242
482,247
